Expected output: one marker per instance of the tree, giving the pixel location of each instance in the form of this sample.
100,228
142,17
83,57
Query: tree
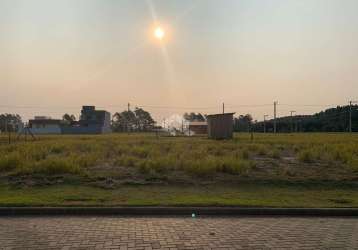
193,117
10,122
68,119
139,120
144,120
329,120
243,123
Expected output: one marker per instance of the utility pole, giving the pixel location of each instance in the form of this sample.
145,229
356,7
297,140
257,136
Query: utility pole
156,130
292,120
350,115
223,108
5,124
182,126
129,106
265,123
9,132
274,117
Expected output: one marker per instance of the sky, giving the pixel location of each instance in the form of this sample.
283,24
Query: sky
57,55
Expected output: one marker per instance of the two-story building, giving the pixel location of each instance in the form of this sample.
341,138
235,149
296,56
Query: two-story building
91,121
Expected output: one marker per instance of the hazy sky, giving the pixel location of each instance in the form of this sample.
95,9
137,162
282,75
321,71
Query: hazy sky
58,55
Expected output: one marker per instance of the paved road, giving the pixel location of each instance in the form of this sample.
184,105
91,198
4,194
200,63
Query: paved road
177,233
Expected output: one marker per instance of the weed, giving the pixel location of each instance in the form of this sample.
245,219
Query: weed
306,156
10,161
275,153
54,165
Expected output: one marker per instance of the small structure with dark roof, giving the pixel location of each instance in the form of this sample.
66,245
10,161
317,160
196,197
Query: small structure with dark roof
220,126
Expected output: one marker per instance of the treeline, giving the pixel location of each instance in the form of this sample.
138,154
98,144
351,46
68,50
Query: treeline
330,120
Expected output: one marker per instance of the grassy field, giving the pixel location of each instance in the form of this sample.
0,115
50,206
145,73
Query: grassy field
140,169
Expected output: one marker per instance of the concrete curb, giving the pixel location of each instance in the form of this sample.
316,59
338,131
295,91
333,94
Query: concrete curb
173,211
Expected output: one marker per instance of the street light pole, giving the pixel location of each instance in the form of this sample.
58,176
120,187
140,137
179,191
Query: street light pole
275,116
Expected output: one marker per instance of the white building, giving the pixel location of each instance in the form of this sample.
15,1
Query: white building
45,125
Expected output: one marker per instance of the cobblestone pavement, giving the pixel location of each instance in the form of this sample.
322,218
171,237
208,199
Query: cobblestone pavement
178,233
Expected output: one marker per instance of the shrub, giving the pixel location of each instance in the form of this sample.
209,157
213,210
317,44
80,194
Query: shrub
201,168
306,156
52,166
57,149
245,154
86,160
10,161
353,163
341,156
141,152
234,166
126,161
262,151
275,153
160,165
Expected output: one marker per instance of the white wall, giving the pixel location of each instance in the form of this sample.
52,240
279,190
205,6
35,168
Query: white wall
107,124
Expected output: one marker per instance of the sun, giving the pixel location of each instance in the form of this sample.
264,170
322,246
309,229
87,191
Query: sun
159,33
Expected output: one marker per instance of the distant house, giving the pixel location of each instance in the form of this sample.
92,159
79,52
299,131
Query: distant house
198,127
91,121
220,126
44,125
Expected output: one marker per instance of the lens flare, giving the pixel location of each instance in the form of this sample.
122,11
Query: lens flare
159,33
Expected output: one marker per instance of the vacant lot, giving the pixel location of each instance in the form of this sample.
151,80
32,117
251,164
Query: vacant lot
215,172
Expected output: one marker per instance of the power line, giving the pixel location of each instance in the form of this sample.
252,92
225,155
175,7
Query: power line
312,105
167,106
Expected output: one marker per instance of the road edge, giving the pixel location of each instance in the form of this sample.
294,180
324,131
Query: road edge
173,211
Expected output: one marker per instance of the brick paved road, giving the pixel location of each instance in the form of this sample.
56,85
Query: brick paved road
177,233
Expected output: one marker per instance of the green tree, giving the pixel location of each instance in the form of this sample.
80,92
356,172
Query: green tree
243,123
194,117
68,119
10,122
139,120
144,120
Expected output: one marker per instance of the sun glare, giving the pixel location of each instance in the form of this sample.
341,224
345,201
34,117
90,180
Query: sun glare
159,33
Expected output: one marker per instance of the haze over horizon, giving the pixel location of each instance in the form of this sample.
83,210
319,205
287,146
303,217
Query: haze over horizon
59,55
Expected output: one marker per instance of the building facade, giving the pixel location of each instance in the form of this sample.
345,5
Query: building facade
91,121
44,125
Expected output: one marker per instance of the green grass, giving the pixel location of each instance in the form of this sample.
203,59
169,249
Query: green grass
245,194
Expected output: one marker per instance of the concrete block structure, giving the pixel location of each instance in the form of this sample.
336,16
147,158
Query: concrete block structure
220,126
44,125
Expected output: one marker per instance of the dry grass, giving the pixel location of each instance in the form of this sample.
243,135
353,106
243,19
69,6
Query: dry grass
196,157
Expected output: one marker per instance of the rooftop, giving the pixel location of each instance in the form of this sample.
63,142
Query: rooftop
195,123
221,114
